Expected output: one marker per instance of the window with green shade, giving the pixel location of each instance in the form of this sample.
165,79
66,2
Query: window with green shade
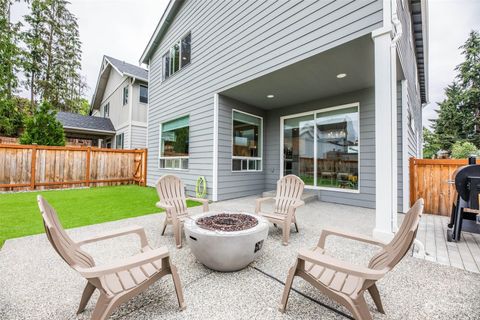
247,142
174,144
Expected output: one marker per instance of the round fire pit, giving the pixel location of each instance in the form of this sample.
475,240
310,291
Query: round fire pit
226,241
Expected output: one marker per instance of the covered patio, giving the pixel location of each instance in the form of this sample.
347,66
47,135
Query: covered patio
37,284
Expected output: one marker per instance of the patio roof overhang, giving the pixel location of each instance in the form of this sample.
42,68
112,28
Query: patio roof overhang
313,78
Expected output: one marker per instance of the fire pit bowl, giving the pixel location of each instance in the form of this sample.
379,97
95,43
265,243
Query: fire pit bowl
225,241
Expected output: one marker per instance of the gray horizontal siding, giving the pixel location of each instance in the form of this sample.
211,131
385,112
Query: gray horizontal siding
233,42
138,137
366,98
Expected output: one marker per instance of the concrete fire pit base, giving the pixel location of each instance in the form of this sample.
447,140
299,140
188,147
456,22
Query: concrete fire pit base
225,250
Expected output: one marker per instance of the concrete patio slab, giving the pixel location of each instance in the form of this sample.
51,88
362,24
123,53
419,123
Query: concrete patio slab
36,284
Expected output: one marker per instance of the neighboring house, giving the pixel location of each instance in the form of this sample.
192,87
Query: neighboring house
85,130
244,92
121,95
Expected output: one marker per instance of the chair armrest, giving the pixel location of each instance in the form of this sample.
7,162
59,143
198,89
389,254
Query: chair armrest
164,206
340,266
126,264
348,235
203,201
118,233
258,203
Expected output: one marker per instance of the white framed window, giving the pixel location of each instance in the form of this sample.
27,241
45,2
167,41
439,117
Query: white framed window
143,97
247,141
119,141
125,95
106,110
178,56
174,144
322,147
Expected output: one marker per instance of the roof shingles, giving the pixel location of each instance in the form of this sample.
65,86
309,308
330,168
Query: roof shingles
74,120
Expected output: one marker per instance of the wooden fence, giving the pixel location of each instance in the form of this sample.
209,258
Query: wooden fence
40,167
429,179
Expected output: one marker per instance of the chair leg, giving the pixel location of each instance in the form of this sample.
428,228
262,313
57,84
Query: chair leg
87,294
286,290
286,233
373,290
296,226
178,287
177,231
165,224
103,309
359,309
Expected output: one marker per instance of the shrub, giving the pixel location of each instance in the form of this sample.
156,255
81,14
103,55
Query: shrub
463,149
43,128
11,118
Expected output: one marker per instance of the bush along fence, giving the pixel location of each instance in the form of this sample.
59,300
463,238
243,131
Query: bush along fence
430,180
30,167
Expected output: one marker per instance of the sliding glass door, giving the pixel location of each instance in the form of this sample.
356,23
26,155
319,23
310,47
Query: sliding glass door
322,147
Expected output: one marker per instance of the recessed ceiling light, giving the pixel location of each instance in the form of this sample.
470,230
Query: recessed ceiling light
270,96
341,75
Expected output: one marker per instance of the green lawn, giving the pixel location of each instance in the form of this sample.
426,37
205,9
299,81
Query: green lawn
20,216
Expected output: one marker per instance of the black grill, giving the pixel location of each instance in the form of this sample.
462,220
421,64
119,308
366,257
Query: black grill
466,208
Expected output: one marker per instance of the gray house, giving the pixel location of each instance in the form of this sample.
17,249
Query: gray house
121,95
244,92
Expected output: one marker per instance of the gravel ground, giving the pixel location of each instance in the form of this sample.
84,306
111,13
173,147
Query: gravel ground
36,284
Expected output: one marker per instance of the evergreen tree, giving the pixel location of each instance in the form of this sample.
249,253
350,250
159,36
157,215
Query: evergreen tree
43,128
10,52
54,55
459,114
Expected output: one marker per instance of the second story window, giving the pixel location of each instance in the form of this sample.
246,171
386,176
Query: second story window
177,57
106,110
125,95
143,94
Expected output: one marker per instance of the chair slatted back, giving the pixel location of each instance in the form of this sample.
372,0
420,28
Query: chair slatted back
391,254
70,252
171,191
289,191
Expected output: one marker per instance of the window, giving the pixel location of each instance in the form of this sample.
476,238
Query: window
125,95
247,142
177,57
106,110
322,147
143,94
174,144
119,140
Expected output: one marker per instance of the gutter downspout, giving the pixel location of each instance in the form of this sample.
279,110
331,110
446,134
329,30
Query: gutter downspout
130,104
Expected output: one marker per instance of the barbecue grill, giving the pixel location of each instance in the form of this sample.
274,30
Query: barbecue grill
466,207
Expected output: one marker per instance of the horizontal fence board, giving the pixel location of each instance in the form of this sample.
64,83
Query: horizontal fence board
429,179
29,167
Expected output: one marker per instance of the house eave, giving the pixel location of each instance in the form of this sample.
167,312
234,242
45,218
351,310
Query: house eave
88,130
167,18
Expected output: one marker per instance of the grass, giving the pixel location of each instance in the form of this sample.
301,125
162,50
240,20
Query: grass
20,216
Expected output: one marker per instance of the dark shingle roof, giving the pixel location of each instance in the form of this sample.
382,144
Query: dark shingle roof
74,120
129,69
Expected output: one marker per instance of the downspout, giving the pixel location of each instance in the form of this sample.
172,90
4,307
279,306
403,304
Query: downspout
130,102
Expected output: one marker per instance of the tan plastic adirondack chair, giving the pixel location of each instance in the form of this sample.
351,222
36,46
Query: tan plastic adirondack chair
346,283
117,282
287,200
171,192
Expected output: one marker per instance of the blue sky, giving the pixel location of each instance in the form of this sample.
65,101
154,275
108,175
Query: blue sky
122,28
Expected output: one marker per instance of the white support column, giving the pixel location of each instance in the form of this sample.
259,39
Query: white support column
385,135
215,148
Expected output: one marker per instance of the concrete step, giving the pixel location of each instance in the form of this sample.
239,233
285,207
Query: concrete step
308,196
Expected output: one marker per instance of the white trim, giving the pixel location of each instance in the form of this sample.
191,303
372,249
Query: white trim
246,158
130,105
315,169
215,148
405,164
140,124
89,130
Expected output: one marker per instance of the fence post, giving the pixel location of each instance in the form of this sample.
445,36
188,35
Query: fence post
87,171
33,167
412,172
144,167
